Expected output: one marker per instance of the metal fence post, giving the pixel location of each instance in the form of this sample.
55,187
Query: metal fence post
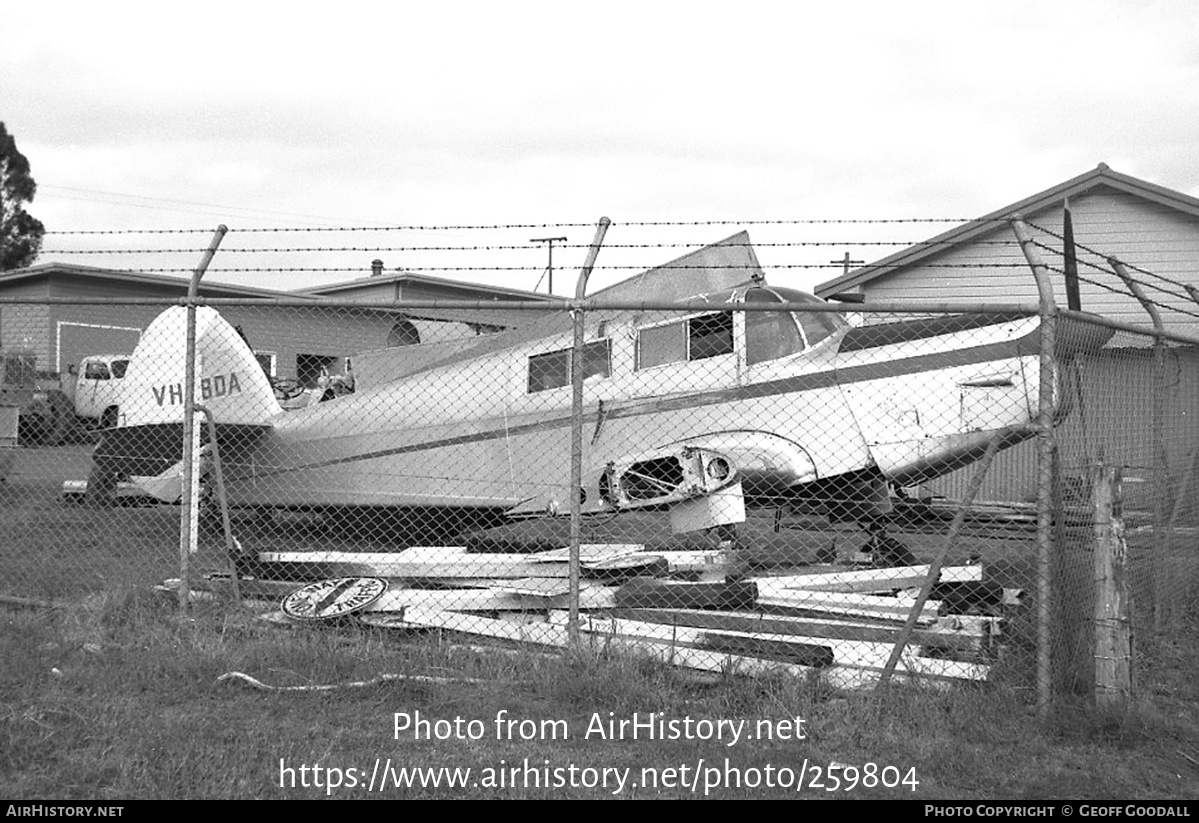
187,525
1046,468
1161,462
576,429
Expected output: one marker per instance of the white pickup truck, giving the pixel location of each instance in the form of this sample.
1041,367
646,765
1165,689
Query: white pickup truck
97,389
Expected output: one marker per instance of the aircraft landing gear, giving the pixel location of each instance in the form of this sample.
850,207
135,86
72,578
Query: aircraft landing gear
101,487
884,550
729,542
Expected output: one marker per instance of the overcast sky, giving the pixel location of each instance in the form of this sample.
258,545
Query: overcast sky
183,116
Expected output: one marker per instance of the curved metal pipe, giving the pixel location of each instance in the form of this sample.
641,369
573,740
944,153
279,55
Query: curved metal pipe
188,516
576,431
593,252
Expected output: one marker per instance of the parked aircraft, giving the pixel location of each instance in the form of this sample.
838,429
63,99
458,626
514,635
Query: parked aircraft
697,413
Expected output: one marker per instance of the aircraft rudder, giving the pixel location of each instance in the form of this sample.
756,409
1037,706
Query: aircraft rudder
230,383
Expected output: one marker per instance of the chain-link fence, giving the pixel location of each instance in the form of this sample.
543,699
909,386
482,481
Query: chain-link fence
747,480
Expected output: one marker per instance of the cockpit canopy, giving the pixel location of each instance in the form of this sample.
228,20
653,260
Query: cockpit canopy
770,335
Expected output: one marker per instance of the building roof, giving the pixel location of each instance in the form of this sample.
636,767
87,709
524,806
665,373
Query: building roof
402,278
134,278
1100,176
441,288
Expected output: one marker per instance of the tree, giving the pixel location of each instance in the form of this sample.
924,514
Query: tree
20,232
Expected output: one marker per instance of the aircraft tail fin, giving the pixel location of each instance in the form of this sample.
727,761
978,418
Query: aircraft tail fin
230,382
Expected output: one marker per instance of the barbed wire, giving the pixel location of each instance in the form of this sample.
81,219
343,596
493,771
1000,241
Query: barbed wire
1148,279
512,247
1123,289
511,226
1123,292
416,269
1104,255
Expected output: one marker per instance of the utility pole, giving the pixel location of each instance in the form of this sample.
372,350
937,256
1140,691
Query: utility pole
551,241
845,261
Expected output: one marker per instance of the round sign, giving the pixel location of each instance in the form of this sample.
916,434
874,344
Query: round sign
333,598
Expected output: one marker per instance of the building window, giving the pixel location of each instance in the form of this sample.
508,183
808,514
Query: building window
266,359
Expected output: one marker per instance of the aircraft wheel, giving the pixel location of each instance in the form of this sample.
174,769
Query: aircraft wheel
887,552
101,488
211,522
108,419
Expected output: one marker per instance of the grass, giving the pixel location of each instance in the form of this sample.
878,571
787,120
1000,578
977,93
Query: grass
115,695
119,697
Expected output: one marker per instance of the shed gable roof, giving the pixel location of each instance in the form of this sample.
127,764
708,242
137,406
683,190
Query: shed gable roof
483,292
1100,176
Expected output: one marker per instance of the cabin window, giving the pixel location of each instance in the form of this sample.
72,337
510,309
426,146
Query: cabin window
597,359
769,335
552,369
549,371
710,335
96,370
816,325
659,345
697,338
118,369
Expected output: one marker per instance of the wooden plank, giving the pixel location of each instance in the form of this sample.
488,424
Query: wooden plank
555,636
453,562
544,635
946,632
861,605
648,593
398,600
415,563
875,580
592,555
399,566
692,562
846,652
788,650
534,587
414,554
588,552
